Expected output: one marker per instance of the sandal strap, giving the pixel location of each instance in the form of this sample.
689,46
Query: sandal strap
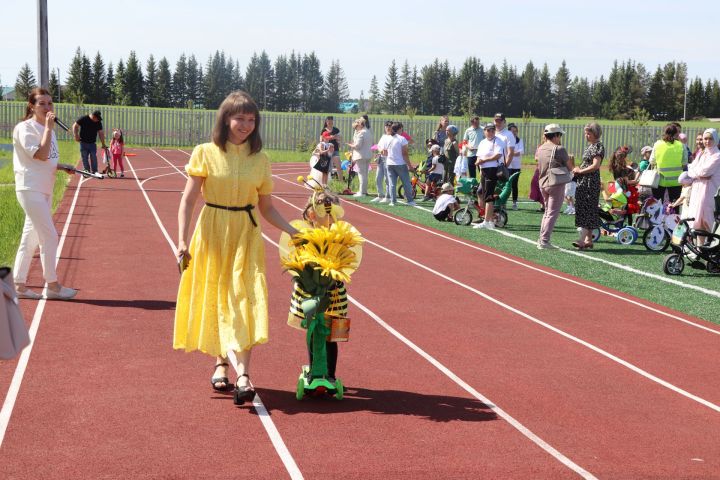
244,375
223,364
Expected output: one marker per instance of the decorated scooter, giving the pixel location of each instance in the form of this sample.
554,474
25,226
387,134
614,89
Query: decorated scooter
321,259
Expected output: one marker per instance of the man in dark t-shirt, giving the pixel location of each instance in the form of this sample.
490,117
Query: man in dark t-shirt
86,129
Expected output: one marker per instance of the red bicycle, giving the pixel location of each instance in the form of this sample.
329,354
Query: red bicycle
428,189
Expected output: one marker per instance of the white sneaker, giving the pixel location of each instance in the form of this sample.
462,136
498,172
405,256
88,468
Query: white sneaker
391,204
27,293
64,293
385,200
412,204
358,195
546,246
376,199
572,211
514,207
487,225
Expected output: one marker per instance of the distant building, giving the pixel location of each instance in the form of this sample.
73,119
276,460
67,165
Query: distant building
8,93
349,107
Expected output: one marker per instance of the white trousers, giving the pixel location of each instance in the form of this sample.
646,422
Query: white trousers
39,230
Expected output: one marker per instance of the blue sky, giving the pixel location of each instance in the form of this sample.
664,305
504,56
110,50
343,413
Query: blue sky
366,36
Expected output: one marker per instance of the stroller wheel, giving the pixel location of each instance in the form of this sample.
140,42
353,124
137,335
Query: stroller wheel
626,236
673,264
463,217
501,218
595,234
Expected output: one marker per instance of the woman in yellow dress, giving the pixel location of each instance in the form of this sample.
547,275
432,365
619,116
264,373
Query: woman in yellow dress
222,300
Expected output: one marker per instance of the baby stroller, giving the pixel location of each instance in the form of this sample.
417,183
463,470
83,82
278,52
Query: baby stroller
686,246
469,188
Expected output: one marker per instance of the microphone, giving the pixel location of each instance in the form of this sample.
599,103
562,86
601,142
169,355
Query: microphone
61,124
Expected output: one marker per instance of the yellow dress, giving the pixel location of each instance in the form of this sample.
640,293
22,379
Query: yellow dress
222,300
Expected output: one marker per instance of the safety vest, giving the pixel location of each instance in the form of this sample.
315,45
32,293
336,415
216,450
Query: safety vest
668,157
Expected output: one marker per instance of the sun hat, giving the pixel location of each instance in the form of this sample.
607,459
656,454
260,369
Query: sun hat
500,116
644,149
553,128
447,188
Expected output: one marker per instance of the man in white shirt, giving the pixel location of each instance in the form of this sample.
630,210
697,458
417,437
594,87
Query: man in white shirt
473,136
506,136
489,153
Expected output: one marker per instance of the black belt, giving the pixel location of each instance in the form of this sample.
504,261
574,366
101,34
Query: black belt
247,208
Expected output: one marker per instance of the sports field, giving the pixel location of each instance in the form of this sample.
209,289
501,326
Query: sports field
472,355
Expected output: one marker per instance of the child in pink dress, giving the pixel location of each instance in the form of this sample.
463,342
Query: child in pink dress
117,150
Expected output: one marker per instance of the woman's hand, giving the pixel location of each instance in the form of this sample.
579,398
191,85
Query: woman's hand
50,120
576,171
182,250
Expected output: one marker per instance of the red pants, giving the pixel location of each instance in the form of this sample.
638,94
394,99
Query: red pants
118,160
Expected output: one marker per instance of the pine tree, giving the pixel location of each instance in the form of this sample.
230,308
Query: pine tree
74,83
163,84
655,100
283,89
134,80
193,82
489,104
53,87
119,87
414,91
98,82
695,99
390,92
110,80
562,92
528,93
544,94
87,85
374,99
335,87
580,103
179,83
294,78
600,97
151,72
25,82
312,84
404,87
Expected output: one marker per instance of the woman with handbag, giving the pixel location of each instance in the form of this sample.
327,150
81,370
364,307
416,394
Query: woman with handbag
554,165
587,176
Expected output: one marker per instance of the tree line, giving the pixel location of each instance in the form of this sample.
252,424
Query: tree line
296,82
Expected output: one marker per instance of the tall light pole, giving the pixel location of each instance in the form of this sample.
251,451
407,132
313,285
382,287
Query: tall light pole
43,69
685,102
59,83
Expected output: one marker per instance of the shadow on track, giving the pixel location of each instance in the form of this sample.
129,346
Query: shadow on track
437,408
142,304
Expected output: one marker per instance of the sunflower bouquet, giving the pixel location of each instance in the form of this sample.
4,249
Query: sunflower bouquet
320,259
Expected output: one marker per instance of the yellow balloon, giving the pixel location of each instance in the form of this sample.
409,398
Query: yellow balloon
301,179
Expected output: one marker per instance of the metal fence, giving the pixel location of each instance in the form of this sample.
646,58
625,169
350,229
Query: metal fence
295,131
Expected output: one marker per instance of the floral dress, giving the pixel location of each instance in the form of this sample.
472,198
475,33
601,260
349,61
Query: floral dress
222,301
588,189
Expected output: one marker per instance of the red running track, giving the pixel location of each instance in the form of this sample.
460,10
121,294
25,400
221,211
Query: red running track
104,396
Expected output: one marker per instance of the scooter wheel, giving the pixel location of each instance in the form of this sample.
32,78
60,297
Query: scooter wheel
656,239
673,264
339,389
112,174
300,390
463,217
501,219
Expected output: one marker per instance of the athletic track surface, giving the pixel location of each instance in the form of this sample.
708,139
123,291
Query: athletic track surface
462,363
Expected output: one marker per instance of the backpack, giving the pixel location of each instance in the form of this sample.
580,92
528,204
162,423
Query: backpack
442,159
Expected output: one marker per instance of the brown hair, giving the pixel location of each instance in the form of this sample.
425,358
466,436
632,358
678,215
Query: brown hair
236,102
32,100
618,161
670,132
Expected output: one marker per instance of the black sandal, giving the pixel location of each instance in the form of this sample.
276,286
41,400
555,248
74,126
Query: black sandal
215,380
243,394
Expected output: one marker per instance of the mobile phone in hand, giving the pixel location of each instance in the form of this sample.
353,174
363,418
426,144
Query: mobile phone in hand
183,262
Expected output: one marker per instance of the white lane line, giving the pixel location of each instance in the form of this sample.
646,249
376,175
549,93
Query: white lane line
15,383
465,386
262,412
182,172
272,431
156,176
150,168
552,328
